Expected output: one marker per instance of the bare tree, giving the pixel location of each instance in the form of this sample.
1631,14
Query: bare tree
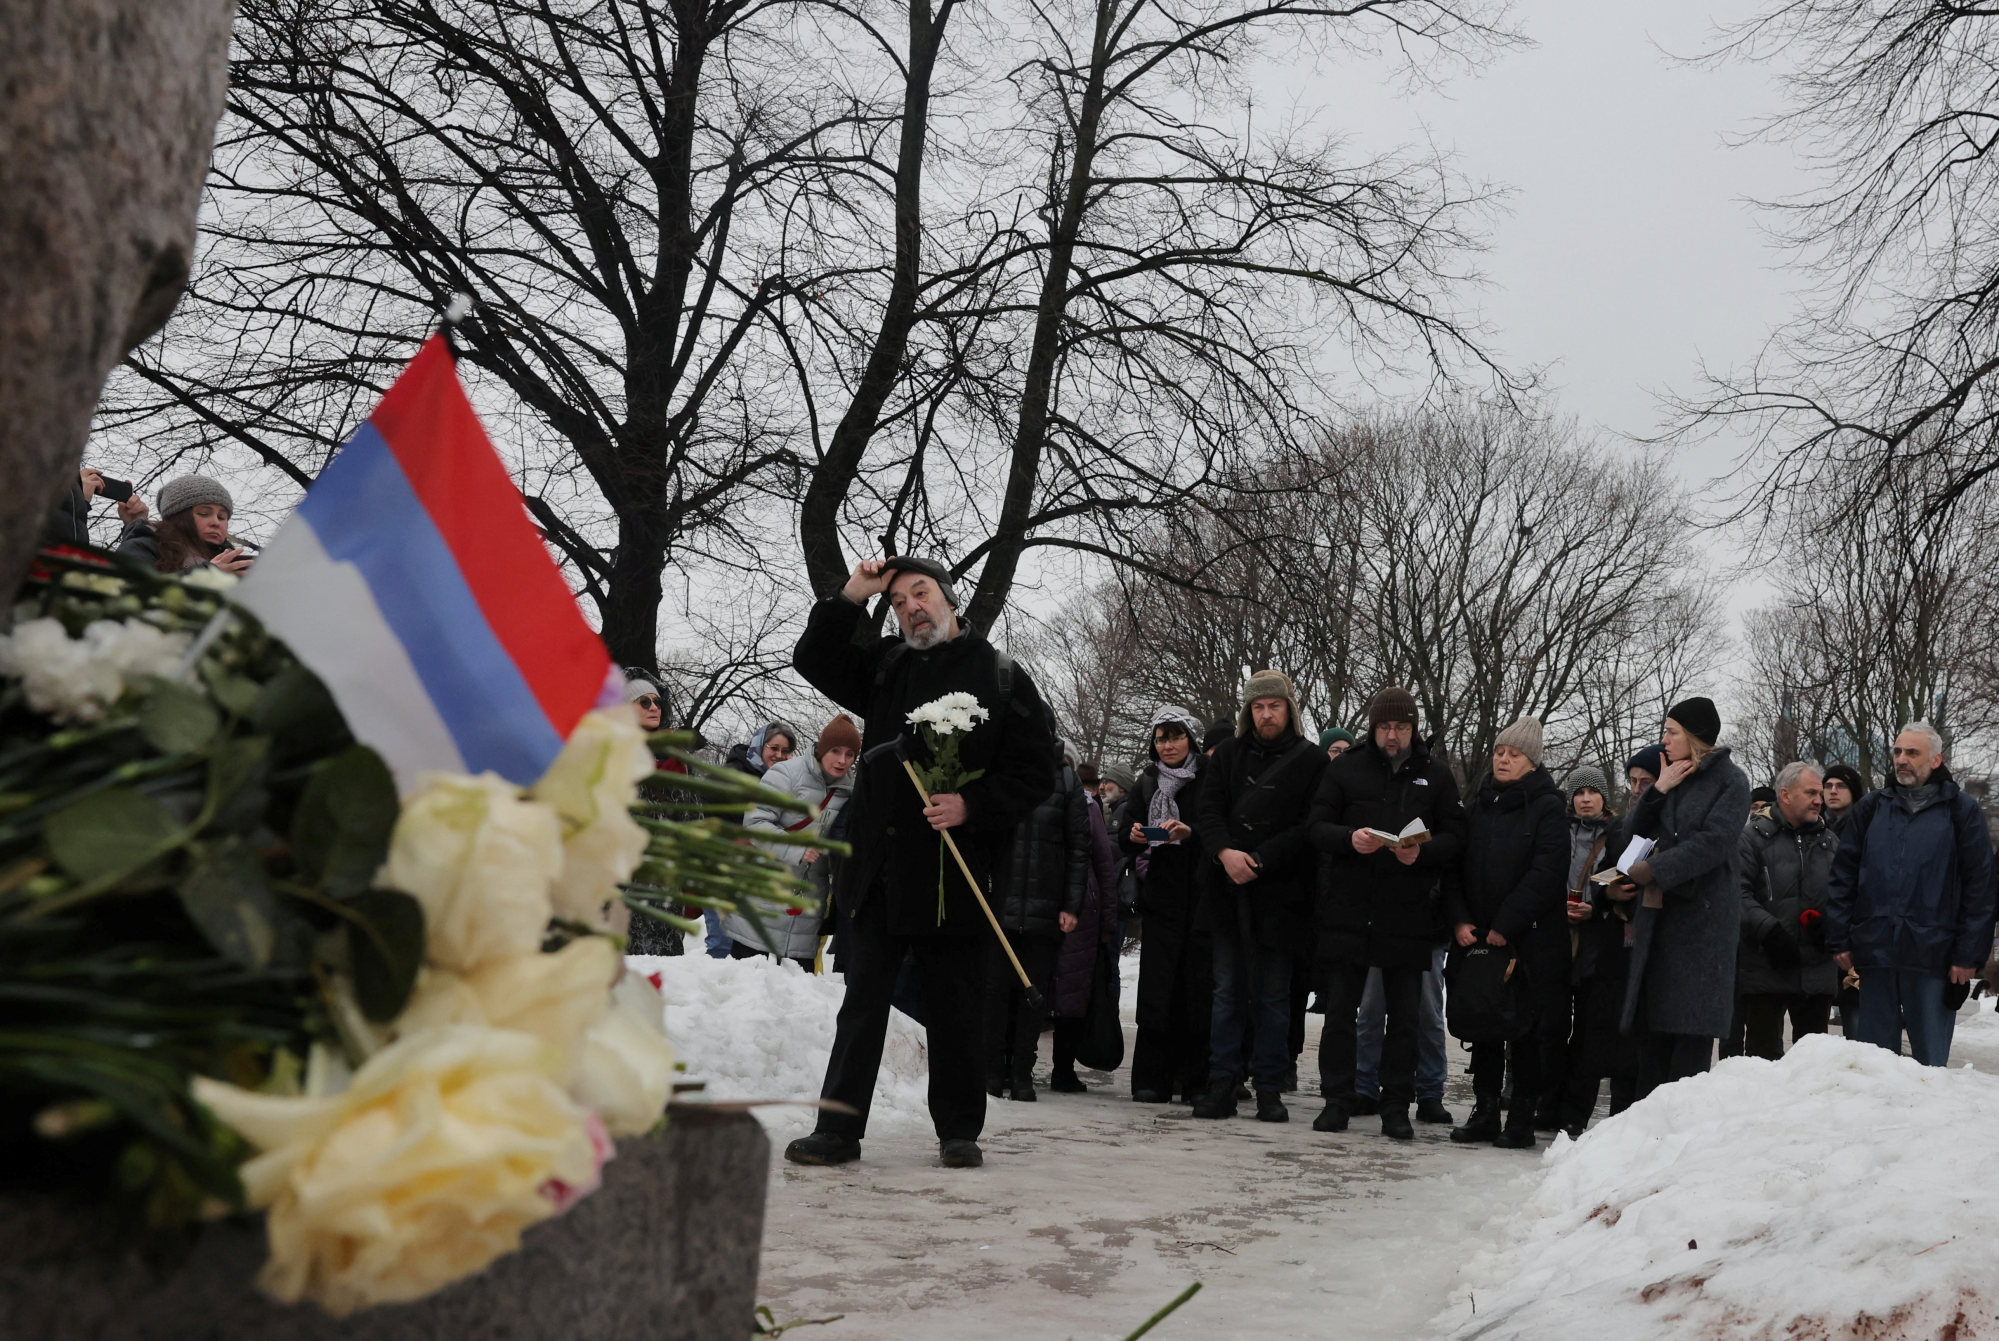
622,185
109,113
1892,359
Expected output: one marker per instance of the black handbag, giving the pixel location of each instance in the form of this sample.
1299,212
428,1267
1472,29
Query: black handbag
1485,1003
1100,1041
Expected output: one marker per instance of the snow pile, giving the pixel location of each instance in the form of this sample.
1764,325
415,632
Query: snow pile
758,1029
1843,1192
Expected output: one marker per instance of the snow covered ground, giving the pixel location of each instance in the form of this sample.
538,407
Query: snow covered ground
1837,1194
1842,1192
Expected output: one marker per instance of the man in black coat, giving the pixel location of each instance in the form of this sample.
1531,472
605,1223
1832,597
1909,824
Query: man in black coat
1254,805
1380,906
1038,889
1782,966
889,890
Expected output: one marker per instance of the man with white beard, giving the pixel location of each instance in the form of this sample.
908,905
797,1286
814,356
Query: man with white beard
901,893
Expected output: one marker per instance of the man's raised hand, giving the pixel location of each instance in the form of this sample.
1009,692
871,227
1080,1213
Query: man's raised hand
870,578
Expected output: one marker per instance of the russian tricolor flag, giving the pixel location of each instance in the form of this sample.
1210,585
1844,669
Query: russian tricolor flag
412,582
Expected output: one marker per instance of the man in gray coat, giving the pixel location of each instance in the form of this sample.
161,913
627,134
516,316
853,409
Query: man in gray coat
1782,966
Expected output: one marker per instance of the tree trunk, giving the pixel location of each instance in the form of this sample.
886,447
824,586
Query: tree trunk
107,115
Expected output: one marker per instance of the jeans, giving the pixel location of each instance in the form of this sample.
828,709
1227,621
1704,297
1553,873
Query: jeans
1763,1021
1432,1062
717,940
1252,996
1892,1000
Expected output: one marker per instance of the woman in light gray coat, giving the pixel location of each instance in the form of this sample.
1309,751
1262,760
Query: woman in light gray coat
1681,996
824,778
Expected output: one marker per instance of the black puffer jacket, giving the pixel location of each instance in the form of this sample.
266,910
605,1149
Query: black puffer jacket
1785,871
1372,909
1046,868
1256,797
1514,877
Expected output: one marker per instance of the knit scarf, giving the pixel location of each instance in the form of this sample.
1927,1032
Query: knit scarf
1164,805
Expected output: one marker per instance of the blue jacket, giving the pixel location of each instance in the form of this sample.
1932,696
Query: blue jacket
1913,890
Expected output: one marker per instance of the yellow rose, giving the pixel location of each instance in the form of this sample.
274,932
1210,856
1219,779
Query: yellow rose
627,1071
480,860
556,997
592,785
445,1147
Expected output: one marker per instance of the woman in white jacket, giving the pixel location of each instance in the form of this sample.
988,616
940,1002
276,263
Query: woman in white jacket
824,778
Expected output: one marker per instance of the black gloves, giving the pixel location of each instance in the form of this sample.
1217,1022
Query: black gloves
1781,947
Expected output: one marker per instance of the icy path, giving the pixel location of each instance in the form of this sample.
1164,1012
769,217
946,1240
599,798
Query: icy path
1093,1211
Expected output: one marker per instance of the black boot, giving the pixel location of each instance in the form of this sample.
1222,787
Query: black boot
1519,1131
960,1154
1270,1107
1067,1082
1333,1117
1395,1122
1219,1101
823,1148
1483,1124
1290,1085
1023,1080
1433,1110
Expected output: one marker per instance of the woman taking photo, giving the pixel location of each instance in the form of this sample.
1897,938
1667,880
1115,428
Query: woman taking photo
1511,896
193,530
1688,912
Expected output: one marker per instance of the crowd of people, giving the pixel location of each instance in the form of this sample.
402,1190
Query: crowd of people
1570,937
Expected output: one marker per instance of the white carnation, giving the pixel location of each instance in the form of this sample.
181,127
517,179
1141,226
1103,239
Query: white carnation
950,715
75,679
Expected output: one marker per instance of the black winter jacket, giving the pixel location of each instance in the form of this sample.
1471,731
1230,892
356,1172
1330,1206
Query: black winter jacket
1784,872
1046,868
1373,910
1256,798
1516,864
895,850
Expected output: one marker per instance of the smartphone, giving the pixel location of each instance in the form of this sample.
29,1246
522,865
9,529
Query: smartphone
1155,833
115,490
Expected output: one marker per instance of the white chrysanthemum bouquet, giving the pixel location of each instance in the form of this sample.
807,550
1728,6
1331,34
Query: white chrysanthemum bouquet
942,723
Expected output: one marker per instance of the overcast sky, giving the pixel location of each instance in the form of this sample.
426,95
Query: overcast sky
1630,251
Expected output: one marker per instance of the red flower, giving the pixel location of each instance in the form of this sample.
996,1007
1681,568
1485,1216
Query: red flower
1810,918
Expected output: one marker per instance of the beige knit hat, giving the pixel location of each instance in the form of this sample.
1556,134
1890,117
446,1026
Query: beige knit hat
1267,684
1524,736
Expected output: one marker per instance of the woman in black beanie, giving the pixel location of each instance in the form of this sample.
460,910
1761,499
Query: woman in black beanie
1688,910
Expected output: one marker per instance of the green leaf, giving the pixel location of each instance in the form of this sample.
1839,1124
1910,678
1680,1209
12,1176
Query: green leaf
227,896
236,796
385,945
108,832
340,832
237,693
178,719
295,708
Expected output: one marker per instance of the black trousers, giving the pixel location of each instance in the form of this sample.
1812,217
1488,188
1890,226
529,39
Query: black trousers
1340,990
1489,1063
1176,997
1013,1028
1664,1058
951,979
1301,997
1598,1051
1763,1018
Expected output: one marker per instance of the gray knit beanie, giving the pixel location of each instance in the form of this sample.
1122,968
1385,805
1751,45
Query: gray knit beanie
190,491
1586,775
1524,736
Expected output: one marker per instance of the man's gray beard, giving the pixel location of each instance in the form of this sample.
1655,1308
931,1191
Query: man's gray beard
1396,758
925,638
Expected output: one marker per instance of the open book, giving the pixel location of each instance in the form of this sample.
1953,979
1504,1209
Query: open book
1415,834
1637,850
